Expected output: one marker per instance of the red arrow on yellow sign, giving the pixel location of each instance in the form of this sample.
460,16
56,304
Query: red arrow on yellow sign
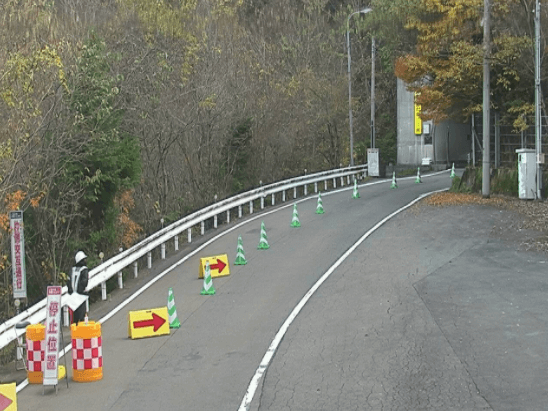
218,266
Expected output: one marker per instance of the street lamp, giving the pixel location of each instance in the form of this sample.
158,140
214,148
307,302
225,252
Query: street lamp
363,11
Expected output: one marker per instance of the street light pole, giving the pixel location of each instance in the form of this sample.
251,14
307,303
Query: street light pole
364,11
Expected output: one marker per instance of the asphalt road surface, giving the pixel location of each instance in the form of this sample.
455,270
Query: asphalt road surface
398,325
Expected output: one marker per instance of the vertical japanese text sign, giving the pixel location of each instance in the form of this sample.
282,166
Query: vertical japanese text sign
418,120
18,255
53,329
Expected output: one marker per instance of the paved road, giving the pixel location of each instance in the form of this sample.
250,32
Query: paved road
392,328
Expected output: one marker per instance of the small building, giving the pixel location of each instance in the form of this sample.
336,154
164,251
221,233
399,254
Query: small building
425,143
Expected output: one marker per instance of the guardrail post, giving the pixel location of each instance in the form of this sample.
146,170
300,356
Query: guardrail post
104,290
324,185
305,190
239,211
348,180
135,269
273,198
163,248
149,260
342,181
202,227
215,221
251,207
120,279
227,216
189,235
334,182
294,192
262,202
66,320
283,196
176,239
316,187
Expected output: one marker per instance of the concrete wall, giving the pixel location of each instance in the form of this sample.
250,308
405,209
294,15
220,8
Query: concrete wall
447,142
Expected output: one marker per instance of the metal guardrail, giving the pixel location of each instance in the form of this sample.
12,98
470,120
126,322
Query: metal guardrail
103,272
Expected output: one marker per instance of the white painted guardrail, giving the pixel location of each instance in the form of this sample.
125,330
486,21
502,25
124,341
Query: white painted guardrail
114,266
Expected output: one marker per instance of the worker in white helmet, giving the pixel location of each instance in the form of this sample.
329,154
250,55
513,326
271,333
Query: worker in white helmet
78,283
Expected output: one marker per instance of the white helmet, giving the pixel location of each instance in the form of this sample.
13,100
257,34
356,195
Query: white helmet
79,256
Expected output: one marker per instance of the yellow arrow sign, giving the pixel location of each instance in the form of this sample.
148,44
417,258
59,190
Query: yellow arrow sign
148,323
8,397
218,266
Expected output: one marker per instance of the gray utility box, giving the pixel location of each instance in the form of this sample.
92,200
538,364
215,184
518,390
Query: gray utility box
527,173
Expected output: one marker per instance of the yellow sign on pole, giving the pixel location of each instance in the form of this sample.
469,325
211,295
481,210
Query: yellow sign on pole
8,397
418,120
148,323
218,266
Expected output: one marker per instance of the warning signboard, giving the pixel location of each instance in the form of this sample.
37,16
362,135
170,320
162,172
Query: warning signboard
8,397
218,266
148,323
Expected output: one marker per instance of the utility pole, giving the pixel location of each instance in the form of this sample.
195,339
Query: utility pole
538,118
486,180
373,92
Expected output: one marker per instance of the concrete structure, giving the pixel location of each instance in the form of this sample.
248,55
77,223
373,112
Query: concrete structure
437,144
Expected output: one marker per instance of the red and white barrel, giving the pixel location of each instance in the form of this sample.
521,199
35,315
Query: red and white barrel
36,351
87,352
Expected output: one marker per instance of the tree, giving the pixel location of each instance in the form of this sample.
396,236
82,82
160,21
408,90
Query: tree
446,67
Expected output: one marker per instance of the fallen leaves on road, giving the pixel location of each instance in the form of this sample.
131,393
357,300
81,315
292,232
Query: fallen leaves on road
535,213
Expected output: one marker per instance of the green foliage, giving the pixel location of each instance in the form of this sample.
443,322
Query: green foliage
103,160
238,154
387,145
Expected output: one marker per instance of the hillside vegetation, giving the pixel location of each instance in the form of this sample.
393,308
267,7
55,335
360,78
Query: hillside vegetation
116,114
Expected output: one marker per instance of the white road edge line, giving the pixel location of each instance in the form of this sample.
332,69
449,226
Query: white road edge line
24,383
246,402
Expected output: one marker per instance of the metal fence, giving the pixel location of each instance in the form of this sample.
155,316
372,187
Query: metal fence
99,275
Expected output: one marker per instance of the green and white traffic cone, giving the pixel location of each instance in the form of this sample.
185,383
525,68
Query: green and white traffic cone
355,193
240,256
263,241
453,171
295,220
418,179
394,184
319,207
208,288
172,310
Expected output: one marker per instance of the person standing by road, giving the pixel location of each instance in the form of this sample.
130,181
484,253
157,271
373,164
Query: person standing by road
78,282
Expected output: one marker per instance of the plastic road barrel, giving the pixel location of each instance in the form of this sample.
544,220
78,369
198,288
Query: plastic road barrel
36,351
87,352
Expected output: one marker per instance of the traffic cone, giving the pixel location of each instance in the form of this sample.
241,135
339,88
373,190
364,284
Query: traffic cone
319,207
295,220
240,256
208,288
172,310
394,184
263,241
418,179
453,171
355,193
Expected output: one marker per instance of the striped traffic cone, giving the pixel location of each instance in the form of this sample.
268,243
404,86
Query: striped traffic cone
418,179
355,193
394,184
263,241
208,288
172,310
295,220
240,256
453,171
319,207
